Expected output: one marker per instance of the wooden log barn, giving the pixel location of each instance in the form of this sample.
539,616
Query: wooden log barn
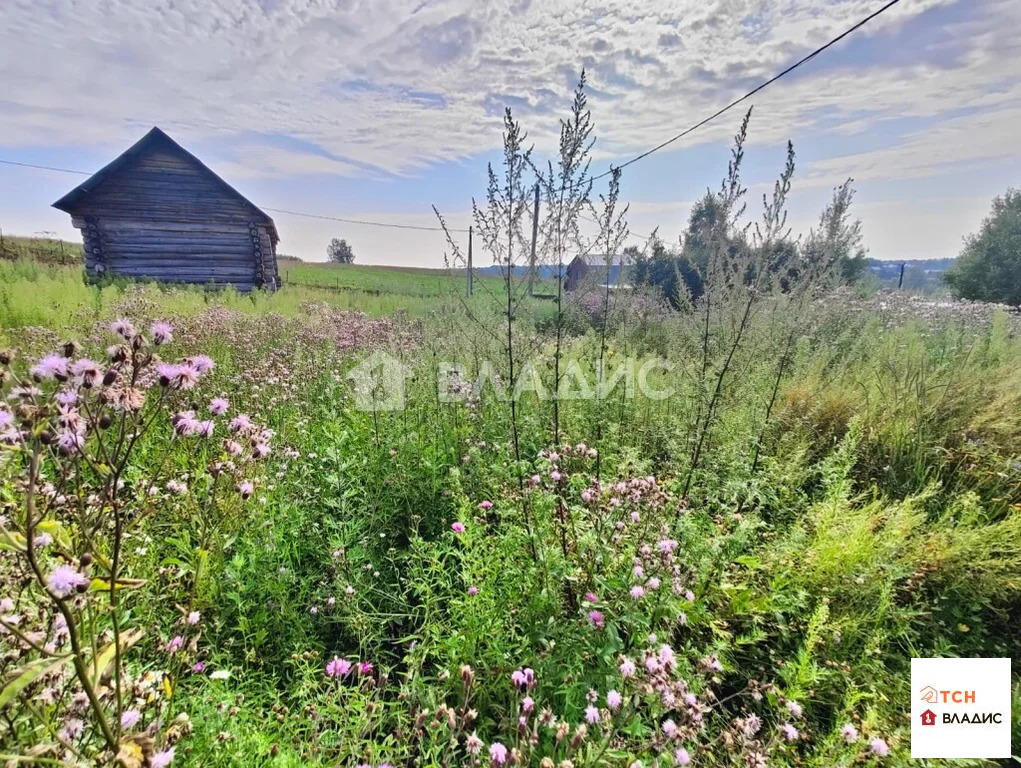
158,212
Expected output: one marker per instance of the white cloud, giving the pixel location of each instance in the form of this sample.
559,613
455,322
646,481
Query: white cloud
399,84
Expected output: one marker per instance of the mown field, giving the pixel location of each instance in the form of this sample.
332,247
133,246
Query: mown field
215,554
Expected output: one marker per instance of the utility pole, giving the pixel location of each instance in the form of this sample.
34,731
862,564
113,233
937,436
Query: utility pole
900,282
470,261
535,238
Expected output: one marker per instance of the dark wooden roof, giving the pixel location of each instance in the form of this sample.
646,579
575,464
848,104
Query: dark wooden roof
155,139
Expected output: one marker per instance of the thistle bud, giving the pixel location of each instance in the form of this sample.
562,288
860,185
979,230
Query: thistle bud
46,437
69,349
6,355
105,421
110,377
85,560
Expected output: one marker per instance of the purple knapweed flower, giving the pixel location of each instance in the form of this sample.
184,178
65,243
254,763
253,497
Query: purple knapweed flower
523,677
794,708
50,367
201,363
473,590
175,644
637,592
592,597
586,495
86,371
199,667
789,732
879,747
205,428
596,618
497,753
162,332
365,668
591,715
849,733
218,406
129,718
457,527
527,704
246,488
194,617
627,668
613,699
64,579
681,756
162,759
486,505
240,422
669,728
337,667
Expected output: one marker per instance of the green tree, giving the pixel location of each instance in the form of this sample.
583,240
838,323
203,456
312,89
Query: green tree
339,252
838,240
989,267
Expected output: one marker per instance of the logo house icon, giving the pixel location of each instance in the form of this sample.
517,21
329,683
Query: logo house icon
928,694
928,717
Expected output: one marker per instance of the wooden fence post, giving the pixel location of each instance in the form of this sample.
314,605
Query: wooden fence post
470,277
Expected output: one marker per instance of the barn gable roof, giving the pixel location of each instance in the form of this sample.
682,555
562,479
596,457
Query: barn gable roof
153,140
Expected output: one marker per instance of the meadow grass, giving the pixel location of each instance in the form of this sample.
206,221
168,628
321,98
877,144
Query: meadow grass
882,521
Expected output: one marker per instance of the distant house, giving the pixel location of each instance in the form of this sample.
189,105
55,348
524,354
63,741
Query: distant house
158,212
591,268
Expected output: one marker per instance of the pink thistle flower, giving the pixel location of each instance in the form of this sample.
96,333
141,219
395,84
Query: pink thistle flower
586,495
591,715
613,699
637,592
596,618
123,328
129,718
260,450
199,667
879,747
246,488
162,332
497,753
194,617
652,583
337,667
70,441
86,371
218,406
523,677
473,743
240,422
667,546
486,505
689,596
789,732
473,590
201,363
457,527
592,597
186,377
681,756
205,428
849,733
555,476
365,668
794,708
232,447
527,704
177,487
6,418
535,479
175,644
669,728
51,367
162,759
627,668
64,579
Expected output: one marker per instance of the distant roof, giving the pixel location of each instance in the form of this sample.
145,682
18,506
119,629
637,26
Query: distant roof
154,139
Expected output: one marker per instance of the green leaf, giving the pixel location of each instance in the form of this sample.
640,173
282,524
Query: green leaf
103,659
28,674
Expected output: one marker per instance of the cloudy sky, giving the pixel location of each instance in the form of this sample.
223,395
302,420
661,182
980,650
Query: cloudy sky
376,109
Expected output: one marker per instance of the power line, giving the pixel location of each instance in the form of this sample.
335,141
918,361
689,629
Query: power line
750,93
265,208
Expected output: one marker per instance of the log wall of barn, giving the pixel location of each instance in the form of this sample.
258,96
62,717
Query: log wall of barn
166,219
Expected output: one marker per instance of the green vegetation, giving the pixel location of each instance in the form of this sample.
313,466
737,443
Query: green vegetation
989,268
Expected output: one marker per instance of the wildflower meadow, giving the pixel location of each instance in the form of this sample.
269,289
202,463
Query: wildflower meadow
228,539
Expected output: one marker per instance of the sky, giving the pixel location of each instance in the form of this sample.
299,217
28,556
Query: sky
379,109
